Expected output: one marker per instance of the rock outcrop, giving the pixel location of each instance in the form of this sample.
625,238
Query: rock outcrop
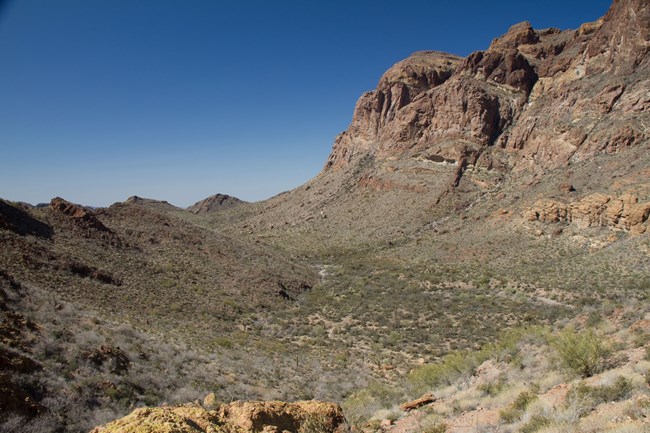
537,99
214,203
595,210
79,215
239,416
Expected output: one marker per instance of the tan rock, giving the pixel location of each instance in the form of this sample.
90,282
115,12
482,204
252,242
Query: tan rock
595,210
239,416
210,401
639,214
179,419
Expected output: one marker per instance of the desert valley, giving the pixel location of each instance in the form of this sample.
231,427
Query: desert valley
474,257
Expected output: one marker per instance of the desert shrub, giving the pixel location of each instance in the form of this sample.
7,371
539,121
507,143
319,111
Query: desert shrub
584,353
359,407
446,371
592,396
315,423
536,422
224,342
45,423
464,362
640,409
493,388
436,428
363,404
516,409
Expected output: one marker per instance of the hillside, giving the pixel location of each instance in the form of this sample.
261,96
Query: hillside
473,209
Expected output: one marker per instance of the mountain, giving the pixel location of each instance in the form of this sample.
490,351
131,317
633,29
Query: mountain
544,126
214,203
533,100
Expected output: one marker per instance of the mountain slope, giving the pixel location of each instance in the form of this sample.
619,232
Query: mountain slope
541,115
131,259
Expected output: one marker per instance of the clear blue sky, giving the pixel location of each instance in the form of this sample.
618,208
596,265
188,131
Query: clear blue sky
181,99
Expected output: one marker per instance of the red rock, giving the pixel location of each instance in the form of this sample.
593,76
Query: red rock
534,97
78,214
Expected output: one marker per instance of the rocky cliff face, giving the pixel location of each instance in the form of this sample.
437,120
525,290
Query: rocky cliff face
534,99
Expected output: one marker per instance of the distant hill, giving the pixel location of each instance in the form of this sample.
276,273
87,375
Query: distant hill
214,203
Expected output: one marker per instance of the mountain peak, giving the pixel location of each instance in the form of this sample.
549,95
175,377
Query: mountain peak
548,96
214,203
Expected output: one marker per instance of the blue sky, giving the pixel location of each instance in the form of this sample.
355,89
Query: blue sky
181,99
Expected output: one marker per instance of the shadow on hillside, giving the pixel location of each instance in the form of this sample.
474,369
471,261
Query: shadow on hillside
19,221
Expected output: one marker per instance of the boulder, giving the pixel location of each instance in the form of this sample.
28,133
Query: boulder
239,416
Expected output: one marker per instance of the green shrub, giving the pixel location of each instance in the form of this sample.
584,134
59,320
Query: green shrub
436,428
360,406
516,409
536,423
592,396
464,362
583,353
423,378
314,423
492,388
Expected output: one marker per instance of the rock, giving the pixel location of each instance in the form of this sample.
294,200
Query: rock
253,416
566,187
210,401
517,35
115,358
402,84
180,419
534,98
240,416
415,404
13,398
214,203
508,67
594,210
80,215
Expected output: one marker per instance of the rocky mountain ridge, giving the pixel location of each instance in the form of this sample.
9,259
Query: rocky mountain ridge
533,99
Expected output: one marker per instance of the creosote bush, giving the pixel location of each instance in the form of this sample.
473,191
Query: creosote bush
584,353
